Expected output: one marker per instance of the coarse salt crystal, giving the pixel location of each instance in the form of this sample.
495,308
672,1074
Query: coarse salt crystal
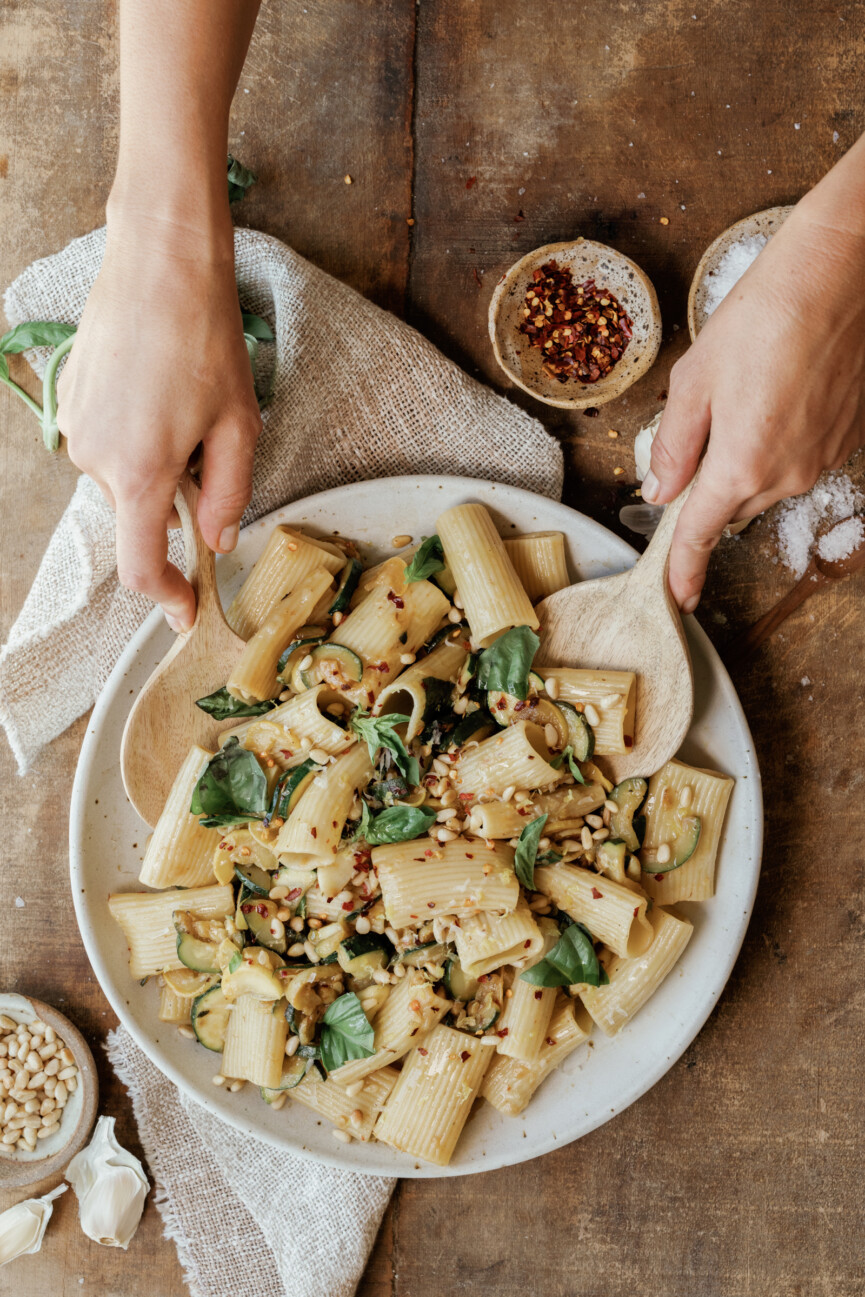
842,540
738,258
832,499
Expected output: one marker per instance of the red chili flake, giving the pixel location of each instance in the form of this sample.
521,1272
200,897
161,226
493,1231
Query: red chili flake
314,832
465,797
370,697
526,945
470,855
250,907
395,599
596,895
629,741
421,1050
478,279
428,854
286,752
520,216
518,706
471,182
582,330
659,878
662,396
348,905
636,910
550,1040
294,893
416,1030
538,994
503,1031
431,905
333,822
465,1055
592,412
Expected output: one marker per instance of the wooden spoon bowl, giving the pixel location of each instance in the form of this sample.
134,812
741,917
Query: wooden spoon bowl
630,622
611,270
164,722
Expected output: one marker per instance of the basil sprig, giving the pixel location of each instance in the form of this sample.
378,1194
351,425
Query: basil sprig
396,824
346,1033
506,664
572,960
568,755
428,559
240,179
232,788
379,732
39,333
221,705
527,851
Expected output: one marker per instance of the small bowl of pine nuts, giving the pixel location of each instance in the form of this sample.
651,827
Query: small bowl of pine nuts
48,1090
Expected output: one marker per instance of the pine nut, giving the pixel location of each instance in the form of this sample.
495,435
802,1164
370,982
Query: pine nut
586,838
664,853
354,1089
296,950
362,925
236,1086
71,1085
309,950
315,924
305,662
406,659
48,1130
611,806
47,1105
30,1137
31,1106
66,1056
11,1137
446,835
441,767
319,756
489,1040
609,700
33,1062
297,924
219,1079
187,1032
61,1094
509,792
50,1085
291,1046
686,796
552,687
9,1023
601,835
455,615
449,797
551,734
35,1081
591,715
283,913
595,821
278,893
277,929
342,1135
337,618
48,1051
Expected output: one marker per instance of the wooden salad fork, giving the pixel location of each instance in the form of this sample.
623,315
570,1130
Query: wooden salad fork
164,722
630,622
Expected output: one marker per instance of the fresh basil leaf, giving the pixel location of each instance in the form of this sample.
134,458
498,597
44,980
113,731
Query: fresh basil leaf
365,825
437,706
572,960
568,755
506,664
222,704
232,784
346,1033
4,369
240,178
527,851
397,824
300,908
234,963
34,333
549,858
428,559
379,732
256,327
224,821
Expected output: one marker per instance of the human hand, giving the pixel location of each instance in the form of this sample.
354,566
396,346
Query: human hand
160,365
775,382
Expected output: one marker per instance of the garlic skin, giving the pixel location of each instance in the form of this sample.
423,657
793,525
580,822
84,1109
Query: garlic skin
643,446
22,1227
110,1185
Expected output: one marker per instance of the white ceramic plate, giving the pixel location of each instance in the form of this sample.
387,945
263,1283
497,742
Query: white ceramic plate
107,842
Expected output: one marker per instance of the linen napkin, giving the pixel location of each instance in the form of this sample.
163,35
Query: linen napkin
356,394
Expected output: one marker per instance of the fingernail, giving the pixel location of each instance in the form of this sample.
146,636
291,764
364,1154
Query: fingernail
176,624
690,604
650,488
228,538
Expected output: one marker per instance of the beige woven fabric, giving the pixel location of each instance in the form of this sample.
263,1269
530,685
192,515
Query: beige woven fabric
246,1218
357,395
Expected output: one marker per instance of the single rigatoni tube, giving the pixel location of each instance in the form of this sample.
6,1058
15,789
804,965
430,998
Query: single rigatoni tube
539,561
315,826
634,981
302,717
431,1101
287,559
147,920
411,1010
516,757
612,913
510,1082
173,1007
254,677
407,694
490,590
708,798
422,879
485,942
180,852
562,807
330,1101
613,695
255,1041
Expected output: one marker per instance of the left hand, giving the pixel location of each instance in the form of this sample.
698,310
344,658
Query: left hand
775,381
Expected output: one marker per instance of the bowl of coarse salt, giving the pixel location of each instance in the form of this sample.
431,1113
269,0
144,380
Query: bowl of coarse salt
725,261
48,1090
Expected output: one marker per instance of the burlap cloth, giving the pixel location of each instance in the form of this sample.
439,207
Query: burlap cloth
357,395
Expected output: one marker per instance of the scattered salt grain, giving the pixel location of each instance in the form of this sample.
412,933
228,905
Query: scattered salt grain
842,540
834,498
805,681
736,260
19,902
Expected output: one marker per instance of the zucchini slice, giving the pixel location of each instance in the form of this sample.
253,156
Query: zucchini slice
481,1013
327,940
260,915
431,952
186,982
348,580
628,796
292,786
252,979
210,1018
254,878
293,1072
580,734
610,859
474,725
506,710
361,956
297,649
445,632
198,955
458,984
334,664
682,847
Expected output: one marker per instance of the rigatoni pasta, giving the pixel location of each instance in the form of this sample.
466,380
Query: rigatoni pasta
540,562
489,587
288,558
180,853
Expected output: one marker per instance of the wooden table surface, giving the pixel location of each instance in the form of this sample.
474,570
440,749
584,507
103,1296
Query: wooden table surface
496,127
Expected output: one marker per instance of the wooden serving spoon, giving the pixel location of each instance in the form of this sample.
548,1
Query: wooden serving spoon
819,573
630,622
164,722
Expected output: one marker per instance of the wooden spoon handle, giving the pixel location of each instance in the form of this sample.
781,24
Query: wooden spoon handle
757,634
200,560
651,568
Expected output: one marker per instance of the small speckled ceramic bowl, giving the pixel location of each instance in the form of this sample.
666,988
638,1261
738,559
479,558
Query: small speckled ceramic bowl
767,222
19,1168
610,270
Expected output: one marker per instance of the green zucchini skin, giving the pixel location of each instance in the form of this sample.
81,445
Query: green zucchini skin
351,574
210,1012
257,880
580,734
683,847
293,1072
362,955
198,955
458,984
349,663
629,796
259,914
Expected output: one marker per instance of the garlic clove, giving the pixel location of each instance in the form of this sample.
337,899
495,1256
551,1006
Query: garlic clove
110,1185
22,1227
643,446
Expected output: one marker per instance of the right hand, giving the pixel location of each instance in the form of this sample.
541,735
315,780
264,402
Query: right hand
160,365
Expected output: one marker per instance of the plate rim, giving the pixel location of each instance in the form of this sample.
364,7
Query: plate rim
679,1041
